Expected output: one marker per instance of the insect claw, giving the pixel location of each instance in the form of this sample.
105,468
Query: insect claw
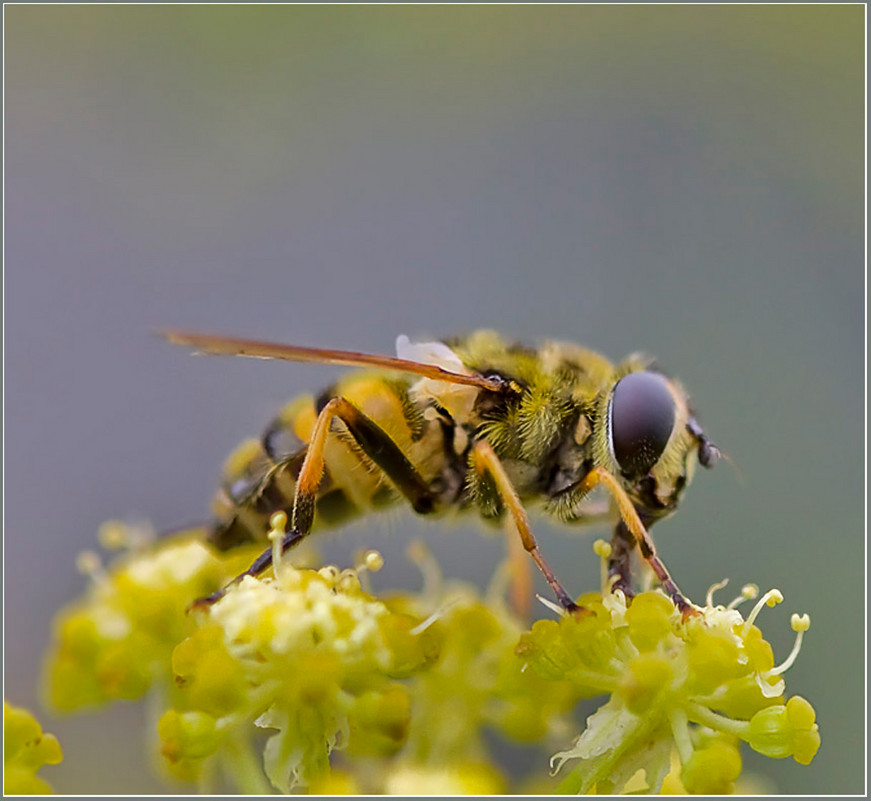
206,602
687,610
577,611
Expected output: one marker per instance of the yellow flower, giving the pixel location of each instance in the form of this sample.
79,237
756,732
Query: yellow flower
117,642
307,654
698,684
26,748
475,683
463,778
287,673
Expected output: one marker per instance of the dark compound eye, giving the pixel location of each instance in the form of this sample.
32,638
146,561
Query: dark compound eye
641,418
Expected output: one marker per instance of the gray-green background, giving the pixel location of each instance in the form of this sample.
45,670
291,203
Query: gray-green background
685,180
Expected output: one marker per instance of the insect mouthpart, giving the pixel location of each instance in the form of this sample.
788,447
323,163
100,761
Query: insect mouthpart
641,416
709,454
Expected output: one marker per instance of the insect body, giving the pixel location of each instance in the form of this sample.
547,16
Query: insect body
470,424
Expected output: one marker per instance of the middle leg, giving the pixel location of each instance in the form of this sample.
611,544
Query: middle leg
486,463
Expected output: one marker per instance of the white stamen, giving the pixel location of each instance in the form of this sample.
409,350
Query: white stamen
603,549
429,568
748,593
709,598
800,624
88,563
348,581
113,535
439,613
373,561
771,598
277,524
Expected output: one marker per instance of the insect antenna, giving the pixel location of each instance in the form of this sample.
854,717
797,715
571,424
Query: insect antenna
739,473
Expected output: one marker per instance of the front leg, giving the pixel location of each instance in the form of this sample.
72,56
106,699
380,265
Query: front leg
633,526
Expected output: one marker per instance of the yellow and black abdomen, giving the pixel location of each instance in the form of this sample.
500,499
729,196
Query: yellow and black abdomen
259,477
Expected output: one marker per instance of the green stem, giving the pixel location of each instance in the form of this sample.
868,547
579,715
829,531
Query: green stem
701,714
244,767
680,731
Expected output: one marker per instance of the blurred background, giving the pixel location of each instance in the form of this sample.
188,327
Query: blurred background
683,180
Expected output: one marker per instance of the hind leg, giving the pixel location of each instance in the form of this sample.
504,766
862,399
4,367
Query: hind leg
375,443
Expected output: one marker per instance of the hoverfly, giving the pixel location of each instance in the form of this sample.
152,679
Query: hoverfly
471,424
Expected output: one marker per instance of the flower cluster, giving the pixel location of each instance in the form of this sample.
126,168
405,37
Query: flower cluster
312,656
302,679
26,748
476,684
696,683
117,641
307,654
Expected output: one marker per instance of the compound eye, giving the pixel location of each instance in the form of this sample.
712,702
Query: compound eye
641,417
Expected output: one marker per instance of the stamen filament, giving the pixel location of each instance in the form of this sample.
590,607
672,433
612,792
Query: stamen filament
439,613
709,598
603,549
701,714
88,563
429,568
277,530
771,598
748,593
800,624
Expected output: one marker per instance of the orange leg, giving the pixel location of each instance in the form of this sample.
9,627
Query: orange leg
633,524
375,443
485,461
